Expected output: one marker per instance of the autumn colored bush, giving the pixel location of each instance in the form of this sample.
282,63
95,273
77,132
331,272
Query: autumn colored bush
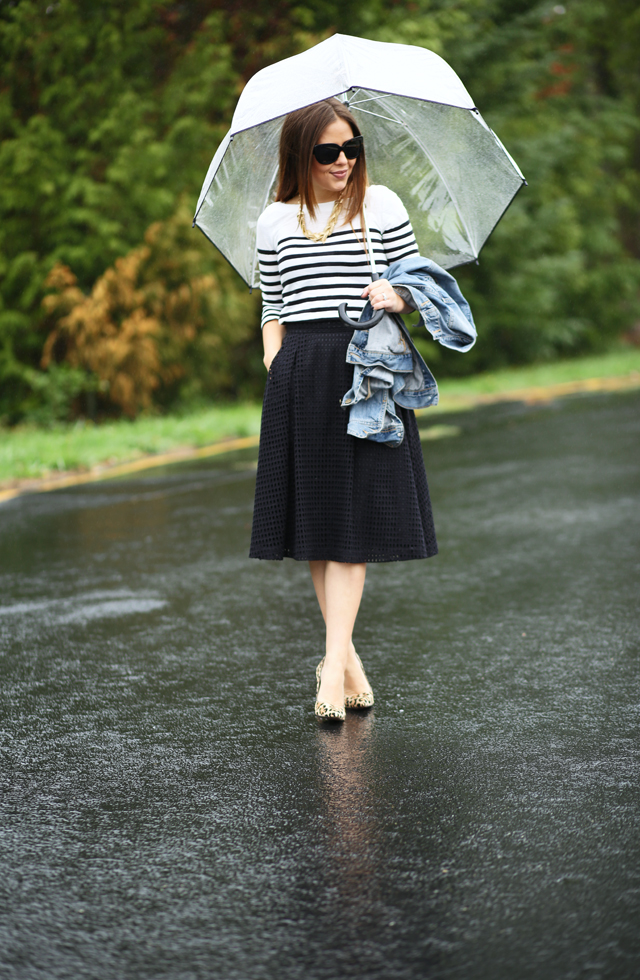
110,115
166,322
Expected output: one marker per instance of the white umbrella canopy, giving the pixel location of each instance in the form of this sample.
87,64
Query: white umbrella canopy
424,138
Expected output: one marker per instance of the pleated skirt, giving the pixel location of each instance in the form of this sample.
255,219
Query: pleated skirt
322,494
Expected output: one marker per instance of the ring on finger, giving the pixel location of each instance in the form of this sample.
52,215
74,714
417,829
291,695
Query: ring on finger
384,296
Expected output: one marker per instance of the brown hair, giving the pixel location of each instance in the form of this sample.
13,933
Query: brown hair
300,133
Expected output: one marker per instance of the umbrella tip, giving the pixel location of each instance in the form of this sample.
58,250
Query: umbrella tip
193,223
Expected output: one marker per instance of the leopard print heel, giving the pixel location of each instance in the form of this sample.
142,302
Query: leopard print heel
322,709
356,702
329,712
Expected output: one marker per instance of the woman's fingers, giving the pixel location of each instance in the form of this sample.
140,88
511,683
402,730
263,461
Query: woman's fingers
381,295
376,288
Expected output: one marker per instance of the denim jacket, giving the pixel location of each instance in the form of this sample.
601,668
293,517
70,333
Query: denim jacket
388,370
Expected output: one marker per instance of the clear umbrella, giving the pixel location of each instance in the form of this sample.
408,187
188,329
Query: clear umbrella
424,137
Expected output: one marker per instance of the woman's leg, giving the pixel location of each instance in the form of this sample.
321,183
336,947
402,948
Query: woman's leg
339,588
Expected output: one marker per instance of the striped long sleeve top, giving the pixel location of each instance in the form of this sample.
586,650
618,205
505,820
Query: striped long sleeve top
305,280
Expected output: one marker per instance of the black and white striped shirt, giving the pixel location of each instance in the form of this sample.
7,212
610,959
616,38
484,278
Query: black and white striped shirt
305,280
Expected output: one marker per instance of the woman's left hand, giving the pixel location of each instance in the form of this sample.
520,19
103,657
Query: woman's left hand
383,296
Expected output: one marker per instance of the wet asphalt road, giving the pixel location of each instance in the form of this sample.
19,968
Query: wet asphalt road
172,809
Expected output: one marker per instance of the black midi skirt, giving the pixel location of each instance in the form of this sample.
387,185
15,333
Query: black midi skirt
322,494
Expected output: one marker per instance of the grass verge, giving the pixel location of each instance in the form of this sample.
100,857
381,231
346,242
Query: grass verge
31,453
617,363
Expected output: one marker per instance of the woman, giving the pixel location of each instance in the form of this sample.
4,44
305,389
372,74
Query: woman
323,496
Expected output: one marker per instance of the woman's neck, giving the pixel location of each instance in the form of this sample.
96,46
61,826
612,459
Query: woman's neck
321,198
326,197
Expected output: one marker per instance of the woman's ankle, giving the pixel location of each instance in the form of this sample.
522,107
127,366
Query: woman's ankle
335,661
355,676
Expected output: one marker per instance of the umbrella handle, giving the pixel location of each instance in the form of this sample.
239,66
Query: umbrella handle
356,324
376,318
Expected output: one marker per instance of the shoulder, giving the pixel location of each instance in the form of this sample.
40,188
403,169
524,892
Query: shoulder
380,194
273,212
271,216
272,222
385,204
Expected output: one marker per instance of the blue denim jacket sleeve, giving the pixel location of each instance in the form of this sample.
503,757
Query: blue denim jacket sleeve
438,299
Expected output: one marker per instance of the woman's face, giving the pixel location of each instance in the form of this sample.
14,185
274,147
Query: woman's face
331,179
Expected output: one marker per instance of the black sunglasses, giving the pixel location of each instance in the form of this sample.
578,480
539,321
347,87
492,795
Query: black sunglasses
329,152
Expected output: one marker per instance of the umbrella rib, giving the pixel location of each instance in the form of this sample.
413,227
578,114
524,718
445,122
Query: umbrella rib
374,98
398,122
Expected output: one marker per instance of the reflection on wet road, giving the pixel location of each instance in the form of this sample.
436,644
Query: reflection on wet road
172,809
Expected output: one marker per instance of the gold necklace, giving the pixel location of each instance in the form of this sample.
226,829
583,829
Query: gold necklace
320,236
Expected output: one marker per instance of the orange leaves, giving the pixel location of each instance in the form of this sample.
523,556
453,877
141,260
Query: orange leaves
563,71
168,313
110,333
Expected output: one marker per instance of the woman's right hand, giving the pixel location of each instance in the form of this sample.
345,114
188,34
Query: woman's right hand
269,358
272,336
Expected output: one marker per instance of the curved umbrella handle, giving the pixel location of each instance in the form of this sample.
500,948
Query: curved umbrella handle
376,318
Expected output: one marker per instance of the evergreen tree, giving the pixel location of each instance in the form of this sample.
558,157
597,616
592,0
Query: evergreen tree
110,114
